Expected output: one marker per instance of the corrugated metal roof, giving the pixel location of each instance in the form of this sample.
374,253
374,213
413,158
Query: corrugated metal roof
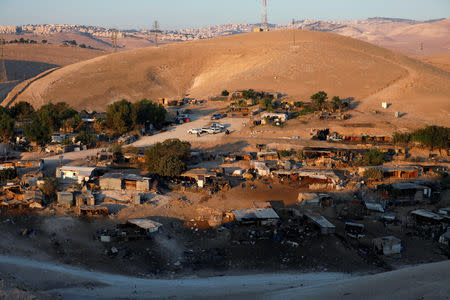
427,214
320,220
146,224
255,213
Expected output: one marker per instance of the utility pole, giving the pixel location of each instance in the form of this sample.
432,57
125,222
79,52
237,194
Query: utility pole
293,31
3,76
114,34
156,30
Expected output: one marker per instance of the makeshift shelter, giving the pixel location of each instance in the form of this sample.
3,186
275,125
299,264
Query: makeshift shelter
261,216
326,227
147,225
387,245
314,199
200,175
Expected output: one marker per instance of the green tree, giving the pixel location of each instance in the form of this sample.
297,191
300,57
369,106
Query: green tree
38,131
401,138
318,100
373,173
6,125
85,138
170,154
121,116
435,137
336,103
150,112
22,111
170,166
374,157
225,93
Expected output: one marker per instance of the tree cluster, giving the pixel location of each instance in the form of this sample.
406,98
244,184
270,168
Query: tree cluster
433,137
124,116
168,158
319,102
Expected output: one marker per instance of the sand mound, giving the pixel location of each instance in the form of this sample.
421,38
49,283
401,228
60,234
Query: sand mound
319,61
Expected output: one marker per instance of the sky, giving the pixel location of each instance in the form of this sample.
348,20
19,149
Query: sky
173,14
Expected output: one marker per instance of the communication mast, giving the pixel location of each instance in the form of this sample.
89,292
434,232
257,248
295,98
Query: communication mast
3,77
156,30
264,15
114,35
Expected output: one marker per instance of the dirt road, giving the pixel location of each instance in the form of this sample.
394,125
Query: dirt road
428,281
75,283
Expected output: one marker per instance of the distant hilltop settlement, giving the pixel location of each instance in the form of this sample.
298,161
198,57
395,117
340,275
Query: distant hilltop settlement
377,192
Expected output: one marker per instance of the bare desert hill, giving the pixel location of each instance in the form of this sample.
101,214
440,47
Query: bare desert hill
25,61
262,61
441,60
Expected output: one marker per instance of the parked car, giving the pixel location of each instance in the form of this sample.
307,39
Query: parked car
218,125
195,130
212,130
218,116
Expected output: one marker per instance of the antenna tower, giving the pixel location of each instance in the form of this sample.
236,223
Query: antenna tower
3,77
114,34
264,14
156,30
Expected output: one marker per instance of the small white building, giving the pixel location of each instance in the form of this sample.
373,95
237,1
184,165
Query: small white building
74,174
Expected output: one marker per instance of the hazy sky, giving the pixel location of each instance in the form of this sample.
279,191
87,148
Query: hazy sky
196,13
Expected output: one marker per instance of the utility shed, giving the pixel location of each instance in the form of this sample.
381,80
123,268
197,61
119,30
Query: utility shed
326,227
148,225
387,245
263,216
65,198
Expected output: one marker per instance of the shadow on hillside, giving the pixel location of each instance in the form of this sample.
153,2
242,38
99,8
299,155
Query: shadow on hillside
20,69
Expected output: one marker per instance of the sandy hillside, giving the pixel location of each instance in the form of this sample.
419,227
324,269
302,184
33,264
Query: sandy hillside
441,60
266,61
409,37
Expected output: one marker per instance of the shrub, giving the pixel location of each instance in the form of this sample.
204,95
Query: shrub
285,153
373,173
225,93
374,157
